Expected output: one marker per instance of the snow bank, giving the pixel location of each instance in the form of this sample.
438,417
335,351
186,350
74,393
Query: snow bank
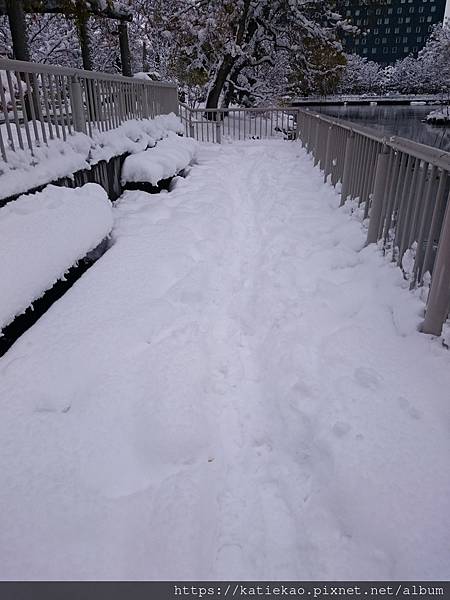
439,117
42,235
24,171
170,156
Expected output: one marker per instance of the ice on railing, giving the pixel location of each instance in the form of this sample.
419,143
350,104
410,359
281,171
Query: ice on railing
42,235
170,156
49,162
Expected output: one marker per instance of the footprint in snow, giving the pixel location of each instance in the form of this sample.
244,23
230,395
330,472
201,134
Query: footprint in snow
410,410
367,378
340,429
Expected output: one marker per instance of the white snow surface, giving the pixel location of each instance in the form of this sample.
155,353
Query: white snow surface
236,390
170,156
441,115
42,235
24,171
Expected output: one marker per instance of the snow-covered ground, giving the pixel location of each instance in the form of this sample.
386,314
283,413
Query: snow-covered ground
236,389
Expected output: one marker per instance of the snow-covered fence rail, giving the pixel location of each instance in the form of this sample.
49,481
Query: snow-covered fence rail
404,188
214,124
39,103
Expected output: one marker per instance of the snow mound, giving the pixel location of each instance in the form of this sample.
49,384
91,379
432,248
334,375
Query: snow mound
440,116
42,235
168,158
24,171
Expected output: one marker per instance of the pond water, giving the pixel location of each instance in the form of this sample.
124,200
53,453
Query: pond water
404,121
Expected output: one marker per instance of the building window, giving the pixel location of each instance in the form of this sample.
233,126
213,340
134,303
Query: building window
396,30
432,9
387,30
386,21
411,9
374,50
389,11
377,41
384,40
357,12
408,30
405,39
429,19
379,21
378,11
408,20
421,19
397,40
415,48
419,38
406,49
394,49
385,50
421,9
364,50
399,11
400,20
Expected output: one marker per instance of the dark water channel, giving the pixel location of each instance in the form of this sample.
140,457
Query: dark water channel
403,121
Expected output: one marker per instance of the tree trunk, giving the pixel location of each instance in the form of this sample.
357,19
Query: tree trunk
85,42
16,17
219,81
125,56
228,95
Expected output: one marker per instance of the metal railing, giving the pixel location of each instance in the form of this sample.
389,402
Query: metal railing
39,103
215,124
404,189
401,186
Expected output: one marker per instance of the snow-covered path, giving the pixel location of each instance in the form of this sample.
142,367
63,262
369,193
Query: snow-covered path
234,390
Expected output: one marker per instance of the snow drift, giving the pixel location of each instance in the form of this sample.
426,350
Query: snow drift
42,235
170,156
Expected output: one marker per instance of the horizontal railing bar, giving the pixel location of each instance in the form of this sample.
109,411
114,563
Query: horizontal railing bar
416,149
20,66
269,109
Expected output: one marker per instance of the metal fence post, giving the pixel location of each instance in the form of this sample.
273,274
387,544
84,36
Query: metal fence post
297,126
347,167
78,115
315,150
218,130
191,125
378,195
327,163
439,296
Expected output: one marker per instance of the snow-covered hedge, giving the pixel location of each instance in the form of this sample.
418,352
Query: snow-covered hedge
166,159
58,159
42,235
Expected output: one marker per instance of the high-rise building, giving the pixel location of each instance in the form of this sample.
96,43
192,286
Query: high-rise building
390,29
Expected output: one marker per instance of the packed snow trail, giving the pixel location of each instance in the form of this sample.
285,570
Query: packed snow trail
235,390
